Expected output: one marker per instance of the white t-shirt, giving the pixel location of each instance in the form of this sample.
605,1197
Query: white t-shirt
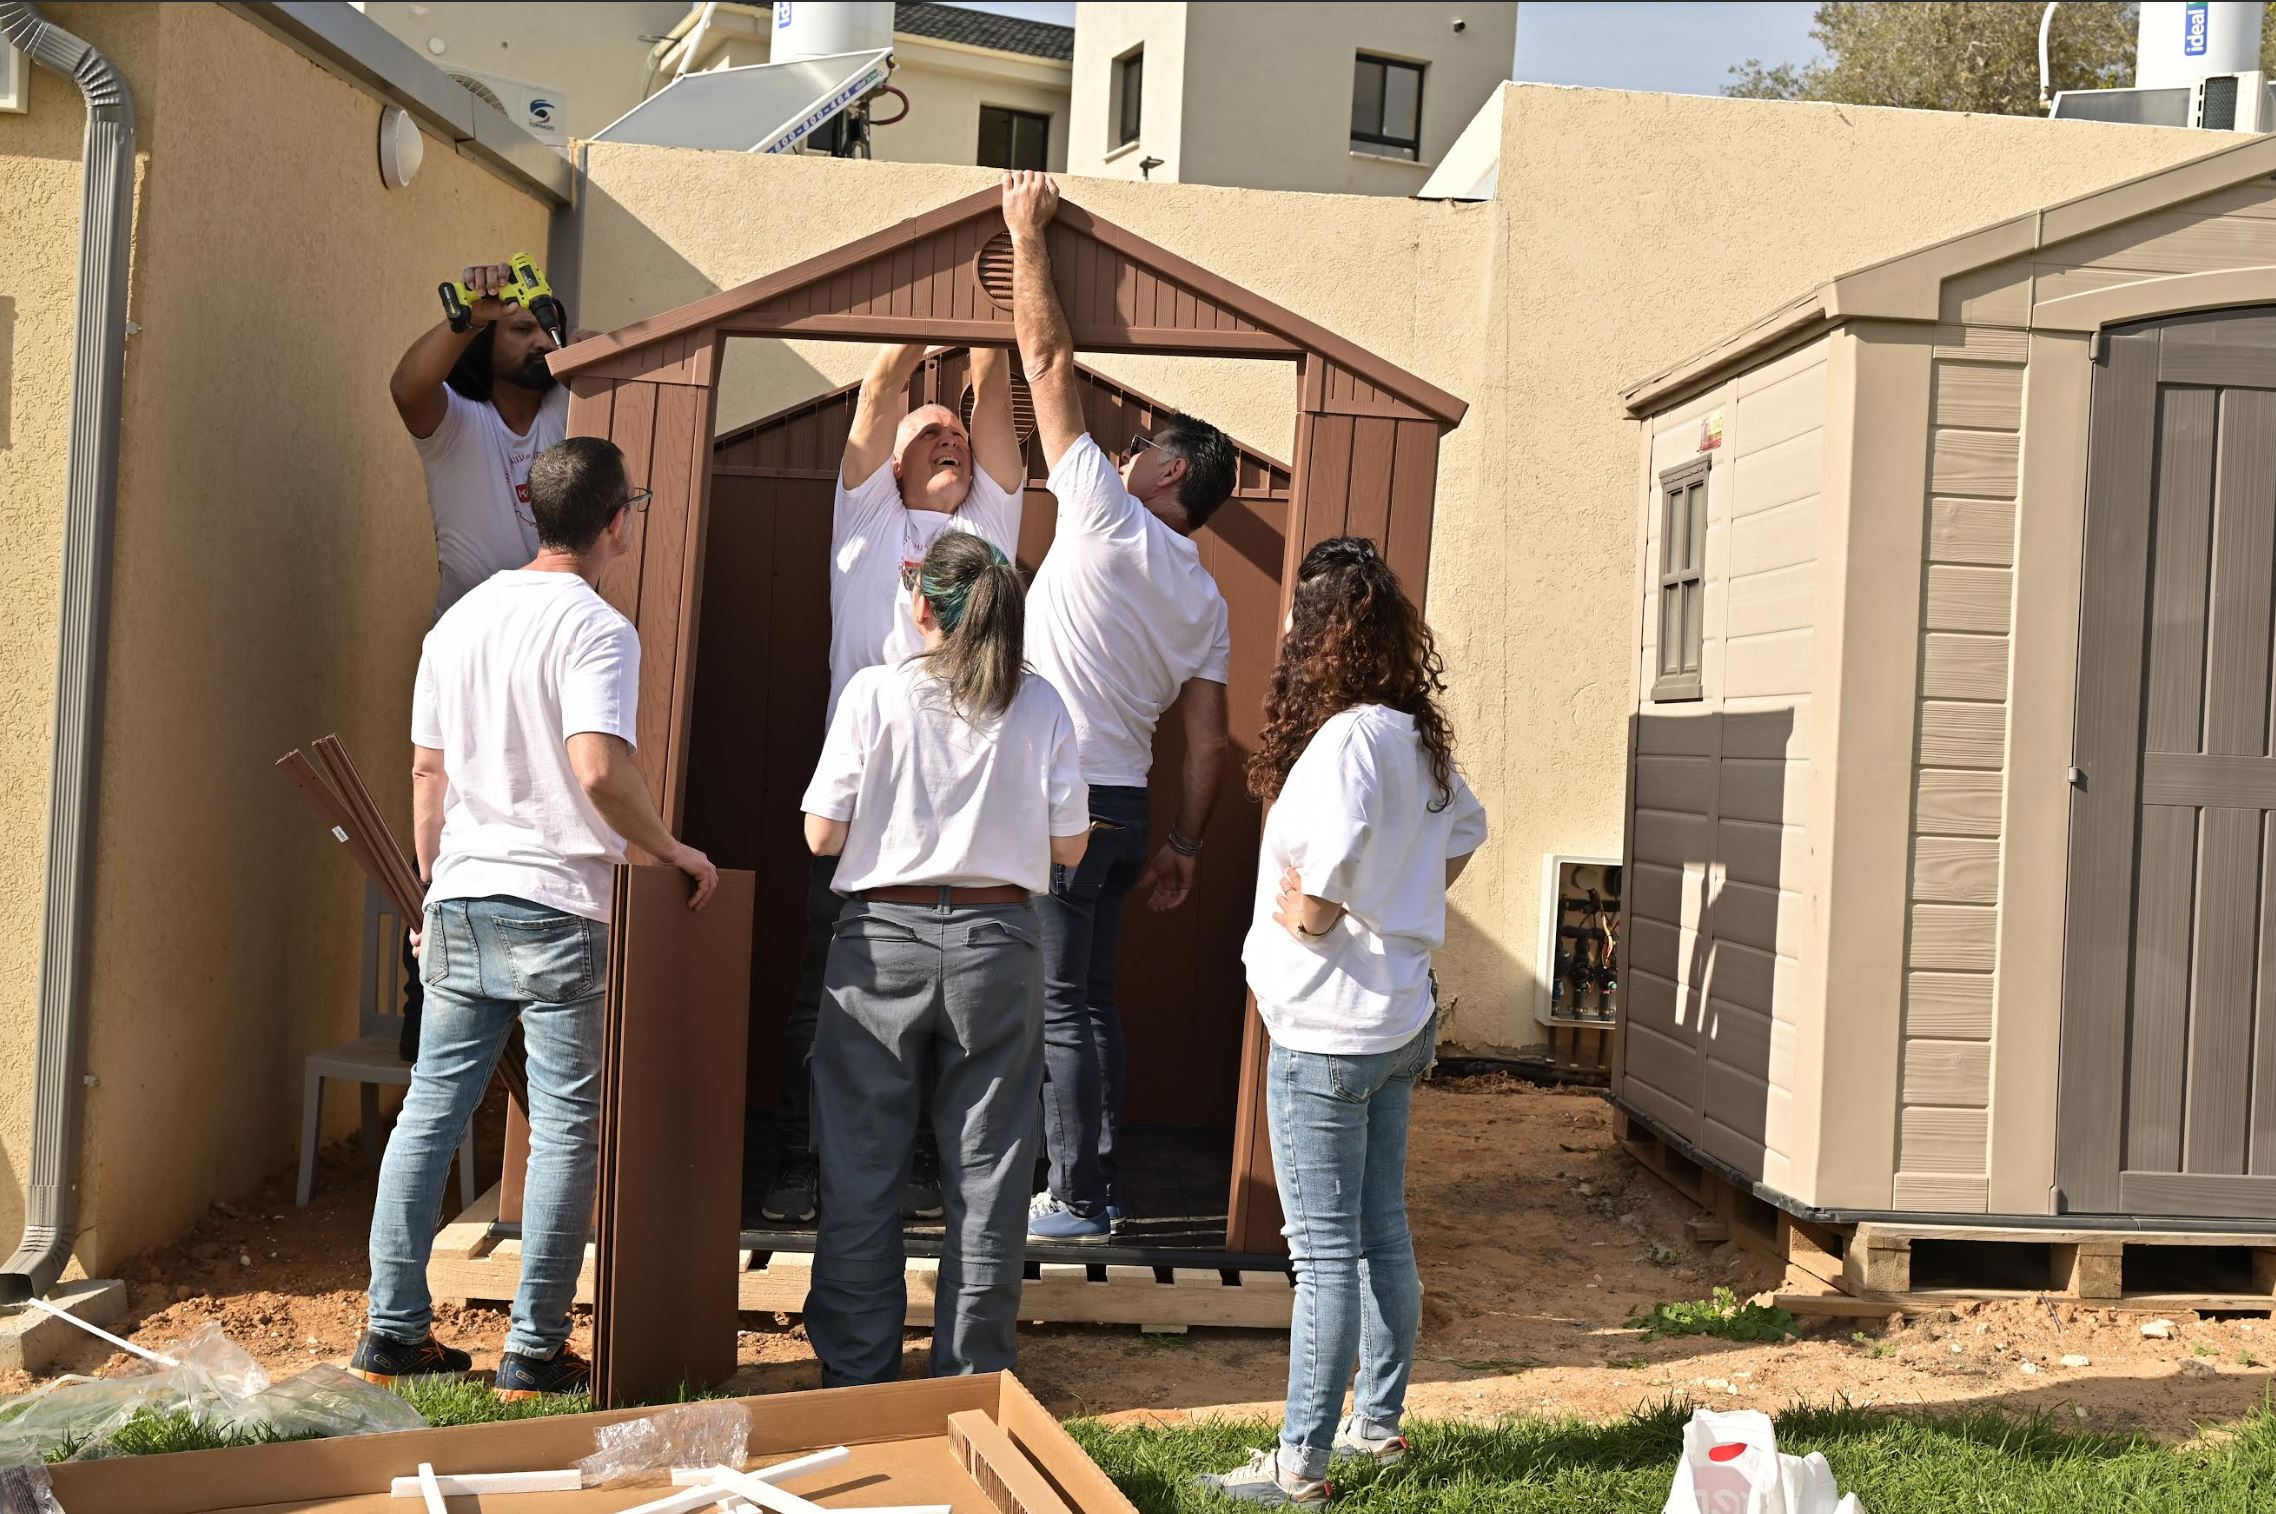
478,488
933,798
513,670
1122,614
872,533
1355,821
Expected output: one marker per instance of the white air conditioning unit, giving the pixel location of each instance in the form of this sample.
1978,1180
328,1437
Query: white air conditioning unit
2232,102
535,109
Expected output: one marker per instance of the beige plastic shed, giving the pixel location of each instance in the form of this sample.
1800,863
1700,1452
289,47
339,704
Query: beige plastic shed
1951,786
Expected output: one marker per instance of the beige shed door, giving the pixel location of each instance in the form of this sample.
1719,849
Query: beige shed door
2168,1092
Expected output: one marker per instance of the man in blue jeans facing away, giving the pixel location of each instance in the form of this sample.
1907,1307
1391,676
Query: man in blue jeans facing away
523,796
1125,622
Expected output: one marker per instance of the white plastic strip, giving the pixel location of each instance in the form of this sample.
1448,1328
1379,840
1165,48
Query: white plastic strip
686,1501
430,1491
68,1317
476,1484
780,1472
761,1492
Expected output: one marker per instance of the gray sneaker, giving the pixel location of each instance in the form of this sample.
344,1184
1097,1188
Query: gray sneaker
1356,1438
1261,1481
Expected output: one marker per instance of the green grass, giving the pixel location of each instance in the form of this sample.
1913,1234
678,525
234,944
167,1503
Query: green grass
1979,1463
1720,1315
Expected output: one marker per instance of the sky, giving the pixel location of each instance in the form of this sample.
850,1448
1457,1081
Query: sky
1686,49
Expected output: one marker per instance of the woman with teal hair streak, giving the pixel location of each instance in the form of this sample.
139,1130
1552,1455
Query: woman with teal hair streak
948,786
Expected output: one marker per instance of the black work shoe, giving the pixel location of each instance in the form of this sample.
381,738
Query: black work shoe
794,1197
380,1360
521,1377
922,1201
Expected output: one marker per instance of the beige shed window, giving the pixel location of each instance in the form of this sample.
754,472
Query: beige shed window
1683,588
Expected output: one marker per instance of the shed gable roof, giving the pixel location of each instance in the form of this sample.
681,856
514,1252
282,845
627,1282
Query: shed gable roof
946,276
1909,286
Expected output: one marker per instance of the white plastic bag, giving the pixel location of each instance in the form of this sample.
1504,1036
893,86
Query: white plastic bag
707,1433
1731,1465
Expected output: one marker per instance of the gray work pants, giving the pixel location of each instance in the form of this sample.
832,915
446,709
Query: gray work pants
960,987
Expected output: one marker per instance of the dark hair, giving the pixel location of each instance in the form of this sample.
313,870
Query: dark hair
474,376
981,605
576,488
1353,638
1210,462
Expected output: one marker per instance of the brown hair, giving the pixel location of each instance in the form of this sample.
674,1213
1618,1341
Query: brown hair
981,605
1353,638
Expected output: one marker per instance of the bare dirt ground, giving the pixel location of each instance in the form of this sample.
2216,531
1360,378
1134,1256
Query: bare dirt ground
1537,1237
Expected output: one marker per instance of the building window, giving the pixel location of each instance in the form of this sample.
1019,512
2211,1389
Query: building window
1683,585
1386,108
1129,96
1014,138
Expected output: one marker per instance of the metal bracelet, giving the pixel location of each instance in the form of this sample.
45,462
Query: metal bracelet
1182,846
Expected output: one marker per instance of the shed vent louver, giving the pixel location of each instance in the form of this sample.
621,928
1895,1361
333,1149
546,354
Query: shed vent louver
481,91
993,268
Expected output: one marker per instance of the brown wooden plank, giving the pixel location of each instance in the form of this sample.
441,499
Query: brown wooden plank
2174,721
663,567
2220,991
2160,1019
2244,566
632,427
1328,499
1252,1209
1374,441
2098,926
695,529
672,1137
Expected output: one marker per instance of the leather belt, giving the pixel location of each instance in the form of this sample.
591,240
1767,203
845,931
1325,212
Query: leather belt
997,893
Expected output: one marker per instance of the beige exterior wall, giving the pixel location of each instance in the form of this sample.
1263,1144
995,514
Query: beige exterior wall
1105,34
1260,95
947,84
591,53
1518,307
274,569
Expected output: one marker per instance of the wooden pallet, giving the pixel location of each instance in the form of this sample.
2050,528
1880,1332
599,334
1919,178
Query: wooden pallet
1886,1268
471,1261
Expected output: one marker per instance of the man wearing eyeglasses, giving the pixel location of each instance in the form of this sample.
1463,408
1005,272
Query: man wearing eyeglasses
523,796
906,476
1125,622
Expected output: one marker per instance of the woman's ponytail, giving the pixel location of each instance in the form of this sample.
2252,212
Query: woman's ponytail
977,597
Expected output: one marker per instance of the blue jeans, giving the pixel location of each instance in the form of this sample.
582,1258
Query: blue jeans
487,963
1339,1149
1082,1025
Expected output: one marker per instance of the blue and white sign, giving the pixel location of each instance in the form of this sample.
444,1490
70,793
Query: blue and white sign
782,15
2195,26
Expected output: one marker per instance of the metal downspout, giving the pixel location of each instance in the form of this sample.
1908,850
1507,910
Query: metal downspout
98,362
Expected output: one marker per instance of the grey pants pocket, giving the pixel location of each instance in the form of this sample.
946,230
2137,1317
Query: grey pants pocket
551,958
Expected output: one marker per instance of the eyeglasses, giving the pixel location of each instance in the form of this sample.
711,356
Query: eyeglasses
1139,442
909,572
637,501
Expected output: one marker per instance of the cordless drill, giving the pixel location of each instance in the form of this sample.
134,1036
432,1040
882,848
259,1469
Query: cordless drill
527,289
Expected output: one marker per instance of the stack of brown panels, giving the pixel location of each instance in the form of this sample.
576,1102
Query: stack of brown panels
671,1159
344,806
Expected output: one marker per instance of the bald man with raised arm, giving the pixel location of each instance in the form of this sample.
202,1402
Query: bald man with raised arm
906,477
1126,623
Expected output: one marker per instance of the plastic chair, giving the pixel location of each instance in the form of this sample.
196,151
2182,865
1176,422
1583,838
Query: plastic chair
372,1059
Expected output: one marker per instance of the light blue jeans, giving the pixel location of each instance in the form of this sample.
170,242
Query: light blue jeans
1339,1150
485,964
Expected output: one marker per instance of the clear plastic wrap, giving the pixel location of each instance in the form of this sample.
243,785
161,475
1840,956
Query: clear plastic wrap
24,1489
215,1383
710,1434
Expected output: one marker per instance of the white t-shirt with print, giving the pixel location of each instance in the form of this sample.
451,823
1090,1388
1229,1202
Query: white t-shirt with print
933,798
523,662
1121,615
872,533
1355,821
478,488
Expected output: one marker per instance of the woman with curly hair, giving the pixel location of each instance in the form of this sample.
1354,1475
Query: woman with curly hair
1369,822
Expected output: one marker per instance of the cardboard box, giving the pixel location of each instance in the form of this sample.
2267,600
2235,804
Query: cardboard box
1013,1459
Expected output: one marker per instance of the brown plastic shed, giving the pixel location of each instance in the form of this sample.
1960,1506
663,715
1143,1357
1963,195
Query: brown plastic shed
727,754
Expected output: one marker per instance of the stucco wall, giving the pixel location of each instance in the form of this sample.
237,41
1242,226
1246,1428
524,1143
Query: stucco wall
1536,308
39,283
947,85
1103,34
274,572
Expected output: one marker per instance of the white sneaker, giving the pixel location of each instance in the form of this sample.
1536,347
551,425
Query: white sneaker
1260,1481
1383,1450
